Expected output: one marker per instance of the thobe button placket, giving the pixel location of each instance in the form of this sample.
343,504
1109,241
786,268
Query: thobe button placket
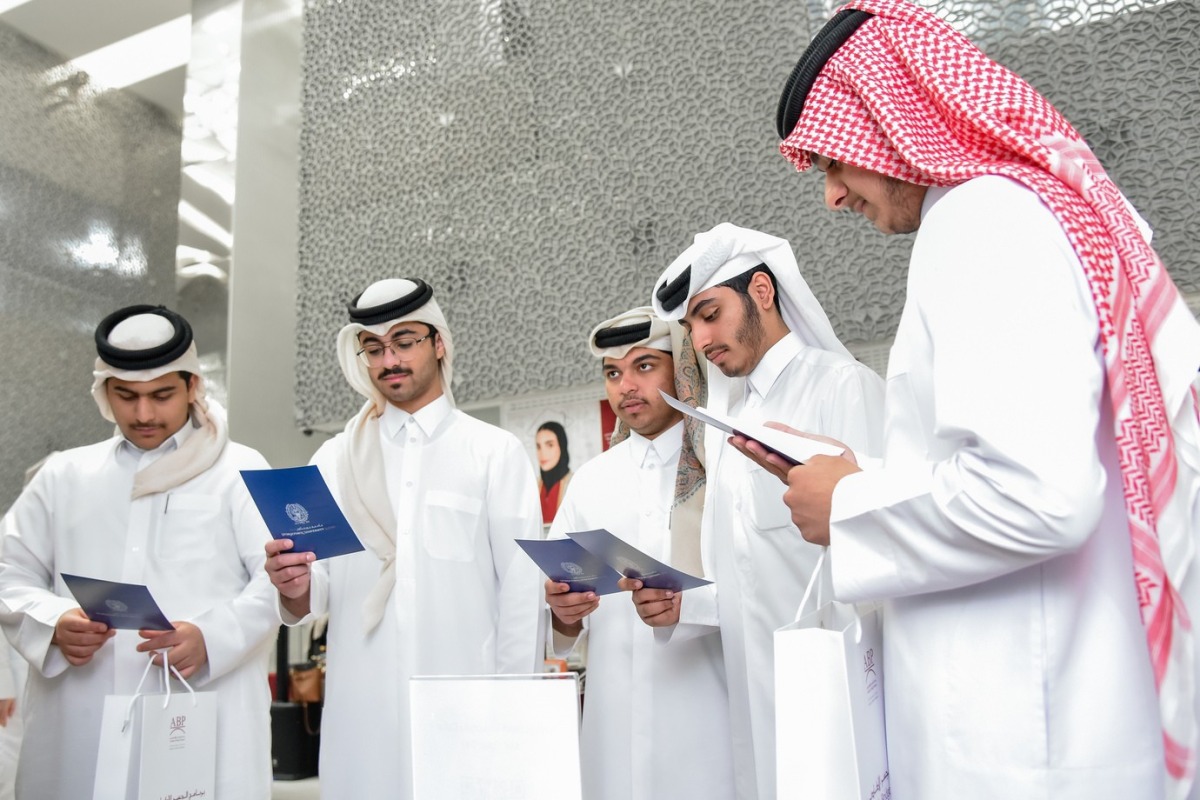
405,432
650,462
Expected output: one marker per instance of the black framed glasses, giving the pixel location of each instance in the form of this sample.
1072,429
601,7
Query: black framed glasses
822,163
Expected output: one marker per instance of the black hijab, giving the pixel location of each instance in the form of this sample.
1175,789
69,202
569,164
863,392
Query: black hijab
555,474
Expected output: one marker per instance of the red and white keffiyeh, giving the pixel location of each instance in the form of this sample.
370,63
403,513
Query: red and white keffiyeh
909,97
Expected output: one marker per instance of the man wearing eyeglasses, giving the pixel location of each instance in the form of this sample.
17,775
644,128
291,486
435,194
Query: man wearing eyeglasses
438,498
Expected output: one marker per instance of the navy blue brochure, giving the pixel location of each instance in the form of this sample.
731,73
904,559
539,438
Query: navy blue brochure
563,560
296,504
633,563
118,605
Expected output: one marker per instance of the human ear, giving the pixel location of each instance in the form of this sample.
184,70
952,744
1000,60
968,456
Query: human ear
762,290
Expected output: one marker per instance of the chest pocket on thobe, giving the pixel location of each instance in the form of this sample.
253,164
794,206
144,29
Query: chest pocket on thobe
188,528
451,522
764,500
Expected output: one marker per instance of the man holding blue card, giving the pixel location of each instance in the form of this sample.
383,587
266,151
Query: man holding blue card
647,489
740,294
438,498
160,506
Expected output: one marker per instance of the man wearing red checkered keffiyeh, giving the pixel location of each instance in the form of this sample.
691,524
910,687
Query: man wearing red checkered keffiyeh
1031,522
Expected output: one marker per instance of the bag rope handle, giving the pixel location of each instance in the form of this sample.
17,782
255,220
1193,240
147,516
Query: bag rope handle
166,684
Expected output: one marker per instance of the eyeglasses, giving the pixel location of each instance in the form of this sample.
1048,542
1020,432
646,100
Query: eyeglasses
822,163
373,353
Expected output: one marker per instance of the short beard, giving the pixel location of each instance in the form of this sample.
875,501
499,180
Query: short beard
897,193
751,332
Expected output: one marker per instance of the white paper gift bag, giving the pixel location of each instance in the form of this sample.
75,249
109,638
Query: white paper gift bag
829,725
154,746
500,737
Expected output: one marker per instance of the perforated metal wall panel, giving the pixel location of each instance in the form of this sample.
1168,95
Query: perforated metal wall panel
89,185
541,162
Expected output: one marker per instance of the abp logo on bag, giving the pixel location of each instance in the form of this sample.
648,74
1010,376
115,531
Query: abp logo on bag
870,677
177,733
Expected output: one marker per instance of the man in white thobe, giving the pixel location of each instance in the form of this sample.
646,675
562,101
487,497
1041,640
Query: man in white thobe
656,720
751,314
13,674
1031,526
160,504
13,670
438,498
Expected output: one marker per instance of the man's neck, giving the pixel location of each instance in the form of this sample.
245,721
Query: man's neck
662,430
774,331
416,404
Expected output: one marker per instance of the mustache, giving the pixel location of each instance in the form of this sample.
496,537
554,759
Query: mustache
397,370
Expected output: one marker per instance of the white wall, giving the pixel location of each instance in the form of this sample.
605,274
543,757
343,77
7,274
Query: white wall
262,313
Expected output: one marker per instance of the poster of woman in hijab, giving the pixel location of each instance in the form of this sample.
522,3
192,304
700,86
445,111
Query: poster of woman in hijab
554,466
561,431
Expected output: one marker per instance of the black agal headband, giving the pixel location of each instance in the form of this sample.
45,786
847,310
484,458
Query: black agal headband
150,357
393,309
621,335
672,294
820,50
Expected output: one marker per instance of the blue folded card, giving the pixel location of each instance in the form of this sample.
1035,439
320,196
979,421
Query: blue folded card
296,504
633,563
117,605
593,561
565,561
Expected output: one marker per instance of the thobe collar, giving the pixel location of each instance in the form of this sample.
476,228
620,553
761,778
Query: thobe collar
771,366
666,445
130,454
428,417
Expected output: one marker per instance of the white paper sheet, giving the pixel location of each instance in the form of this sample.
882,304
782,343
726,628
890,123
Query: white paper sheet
796,449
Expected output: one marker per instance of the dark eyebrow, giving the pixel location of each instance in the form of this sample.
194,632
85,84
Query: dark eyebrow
644,357
699,307
402,332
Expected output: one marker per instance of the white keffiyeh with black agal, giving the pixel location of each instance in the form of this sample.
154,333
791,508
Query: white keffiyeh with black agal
143,343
